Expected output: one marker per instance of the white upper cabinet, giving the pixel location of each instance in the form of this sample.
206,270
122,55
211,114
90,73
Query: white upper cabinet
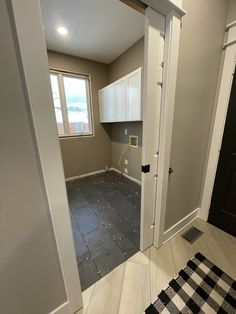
134,96
121,100
107,103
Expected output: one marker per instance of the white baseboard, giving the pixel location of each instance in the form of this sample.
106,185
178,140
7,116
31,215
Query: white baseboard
172,231
101,171
62,309
85,175
126,175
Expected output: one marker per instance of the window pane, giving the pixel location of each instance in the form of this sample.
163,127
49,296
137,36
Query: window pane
57,104
77,106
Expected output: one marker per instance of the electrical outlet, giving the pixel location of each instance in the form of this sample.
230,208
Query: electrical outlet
126,161
125,170
126,131
133,141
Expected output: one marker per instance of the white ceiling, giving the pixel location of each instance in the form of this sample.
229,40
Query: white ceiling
99,30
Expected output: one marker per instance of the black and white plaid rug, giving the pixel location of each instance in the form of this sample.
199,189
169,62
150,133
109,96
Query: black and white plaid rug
201,287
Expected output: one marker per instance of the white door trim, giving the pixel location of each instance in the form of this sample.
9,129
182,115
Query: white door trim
32,57
153,58
222,101
173,24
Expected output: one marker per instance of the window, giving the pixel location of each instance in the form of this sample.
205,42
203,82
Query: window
72,107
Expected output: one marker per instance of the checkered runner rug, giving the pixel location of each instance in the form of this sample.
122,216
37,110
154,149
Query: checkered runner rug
201,287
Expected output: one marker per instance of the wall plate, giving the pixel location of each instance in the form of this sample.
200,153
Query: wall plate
133,141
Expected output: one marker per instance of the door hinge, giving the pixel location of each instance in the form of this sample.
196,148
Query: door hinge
159,84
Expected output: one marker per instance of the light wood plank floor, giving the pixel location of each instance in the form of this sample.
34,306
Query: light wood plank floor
131,287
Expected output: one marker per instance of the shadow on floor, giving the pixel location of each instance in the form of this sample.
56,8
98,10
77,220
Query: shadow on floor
105,215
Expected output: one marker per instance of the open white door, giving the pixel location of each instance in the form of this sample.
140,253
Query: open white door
162,33
153,68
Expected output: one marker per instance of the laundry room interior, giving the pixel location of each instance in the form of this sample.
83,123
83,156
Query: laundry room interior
96,81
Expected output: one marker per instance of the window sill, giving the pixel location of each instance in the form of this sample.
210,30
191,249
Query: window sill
70,136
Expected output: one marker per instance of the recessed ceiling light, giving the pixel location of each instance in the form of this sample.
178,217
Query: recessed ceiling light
62,30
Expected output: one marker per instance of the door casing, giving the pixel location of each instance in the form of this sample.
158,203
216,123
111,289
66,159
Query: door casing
218,123
223,201
153,78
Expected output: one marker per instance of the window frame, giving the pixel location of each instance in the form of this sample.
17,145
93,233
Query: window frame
60,74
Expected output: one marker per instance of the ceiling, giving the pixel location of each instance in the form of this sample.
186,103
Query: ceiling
99,30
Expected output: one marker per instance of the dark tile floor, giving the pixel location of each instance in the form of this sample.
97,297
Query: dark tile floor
105,215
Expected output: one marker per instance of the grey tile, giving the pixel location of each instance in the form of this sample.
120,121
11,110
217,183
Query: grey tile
134,219
109,215
88,274
86,219
105,252
105,213
81,249
135,199
119,228
106,187
77,200
100,205
91,195
125,208
135,239
70,185
127,246
118,200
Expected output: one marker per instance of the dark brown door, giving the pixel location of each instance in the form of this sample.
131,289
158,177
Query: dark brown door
223,203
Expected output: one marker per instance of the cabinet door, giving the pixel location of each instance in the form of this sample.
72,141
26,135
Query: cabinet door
134,95
121,99
102,109
107,104
110,103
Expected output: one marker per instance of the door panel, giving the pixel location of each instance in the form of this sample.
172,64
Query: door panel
107,104
154,55
223,204
134,96
121,99
110,103
102,108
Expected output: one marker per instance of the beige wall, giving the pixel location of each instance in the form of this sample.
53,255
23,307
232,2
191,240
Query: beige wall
119,141
199,61
231,17
31,279
130,60
85,154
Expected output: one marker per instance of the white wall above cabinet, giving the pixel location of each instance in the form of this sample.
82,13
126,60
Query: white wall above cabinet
121,100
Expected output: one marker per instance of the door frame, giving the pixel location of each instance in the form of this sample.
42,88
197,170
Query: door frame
26,25
155,218
32,58
218,123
